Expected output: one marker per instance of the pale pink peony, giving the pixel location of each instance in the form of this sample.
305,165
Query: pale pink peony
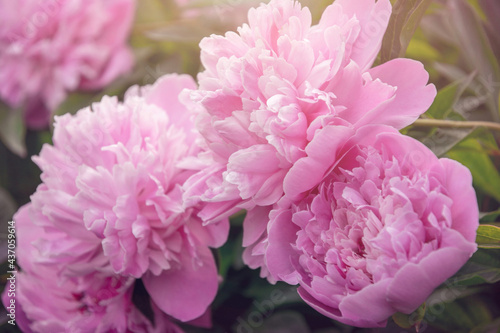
46,303
111,197
268,89
49,48
387,224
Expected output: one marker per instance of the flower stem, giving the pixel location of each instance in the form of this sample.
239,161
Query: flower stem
456,124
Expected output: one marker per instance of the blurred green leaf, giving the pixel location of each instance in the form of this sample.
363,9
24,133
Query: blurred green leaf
448,97
477,8
12,130
74,102
488,236
485,175
229,253
421,50
405,17
489,216
482,267
439,140
444,101
490,327
462,315
491,9
476,48
413,319
237,218
7,207
472,38
285,322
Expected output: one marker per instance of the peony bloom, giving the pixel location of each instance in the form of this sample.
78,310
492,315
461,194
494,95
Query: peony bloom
388,223
48,48
111,198
47,303
268,89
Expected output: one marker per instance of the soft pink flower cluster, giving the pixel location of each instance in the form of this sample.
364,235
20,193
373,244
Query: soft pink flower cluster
97,302
293,124
272,89
302,133
49,48
110,211
388,223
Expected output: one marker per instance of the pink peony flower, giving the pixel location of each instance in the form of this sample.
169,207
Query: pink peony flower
111,198
48,48
268,89
387,224
47,303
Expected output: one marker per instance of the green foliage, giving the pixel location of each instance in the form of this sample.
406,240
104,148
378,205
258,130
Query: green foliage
413,319
405,17
461,315
483,267
485,174
12,130
488,236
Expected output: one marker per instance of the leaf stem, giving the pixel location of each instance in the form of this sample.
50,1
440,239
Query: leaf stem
456,124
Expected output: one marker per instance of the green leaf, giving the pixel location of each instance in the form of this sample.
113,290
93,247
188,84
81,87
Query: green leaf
7,207
490,327
229,253
488,217
461,315
284,321
447,97
488,236
443,102
12,130
413,319
405,18
472,38
482,267
485,174
421,50
74,102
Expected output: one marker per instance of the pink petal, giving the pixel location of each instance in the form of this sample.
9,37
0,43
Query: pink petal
413,283
185,293
255,224
308,171
373,19
279,254
458,182
368,307
413,96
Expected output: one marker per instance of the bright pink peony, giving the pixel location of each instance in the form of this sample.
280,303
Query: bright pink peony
268,89
111,197
48,48
387,224
47,303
